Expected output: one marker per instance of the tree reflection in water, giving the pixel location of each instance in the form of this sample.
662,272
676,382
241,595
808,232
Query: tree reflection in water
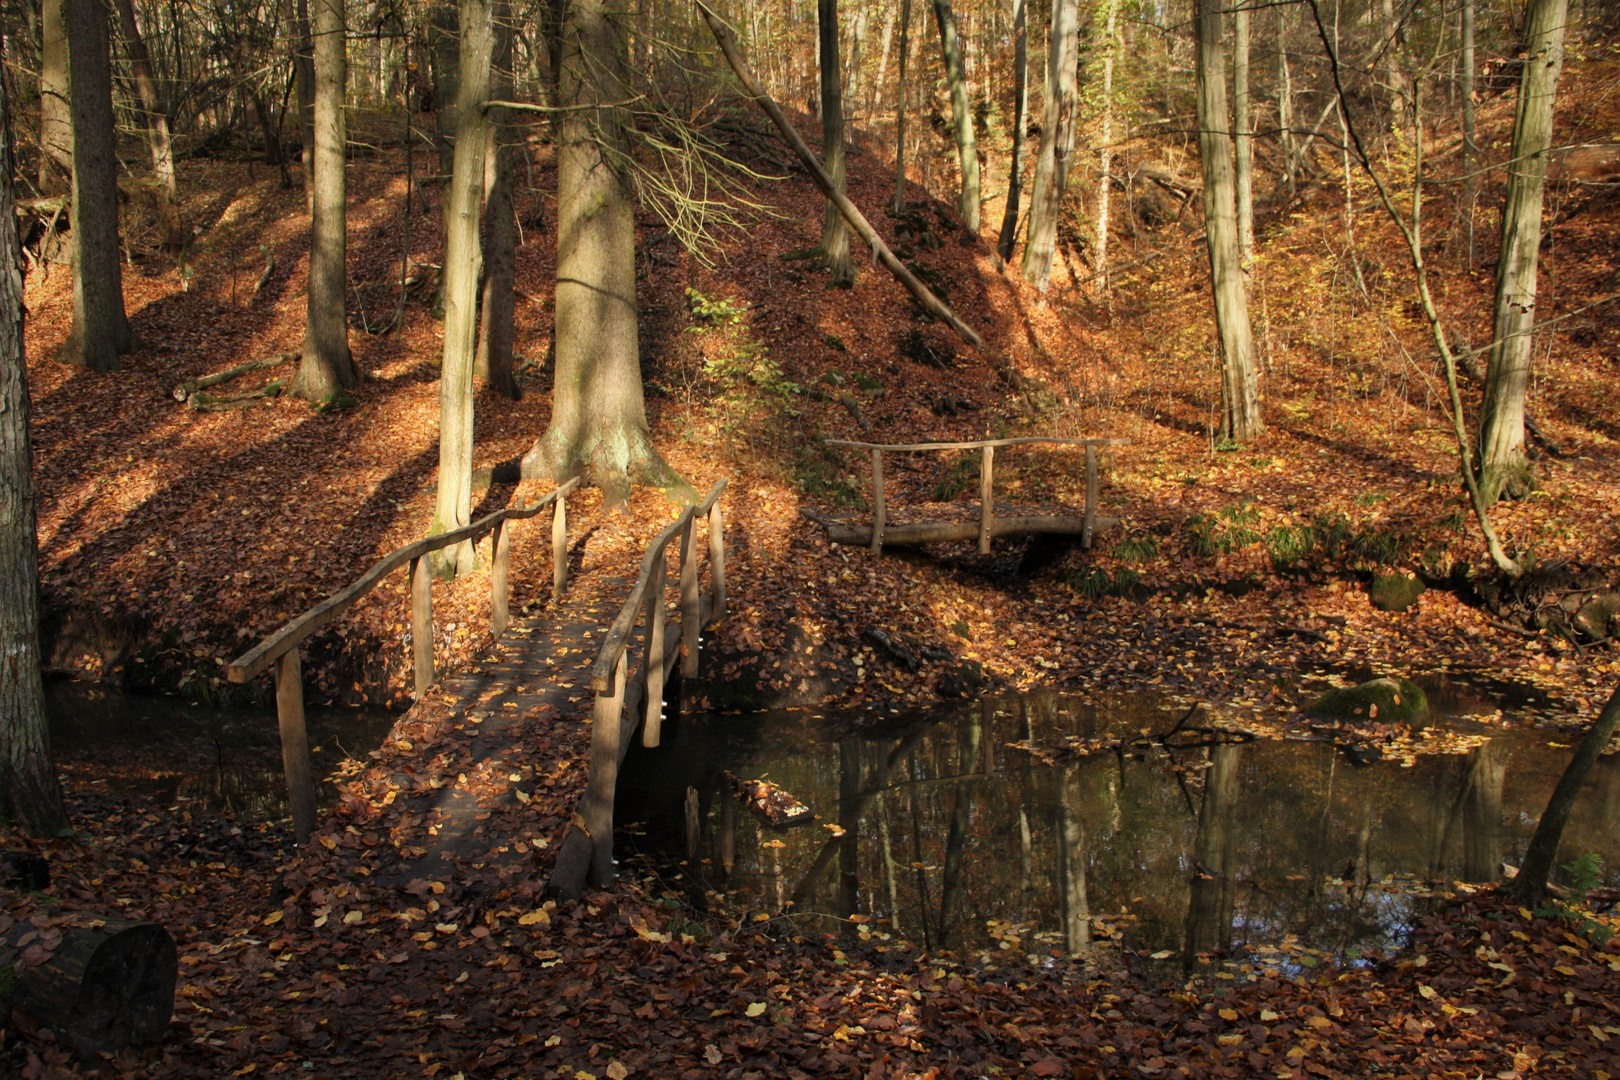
1203,853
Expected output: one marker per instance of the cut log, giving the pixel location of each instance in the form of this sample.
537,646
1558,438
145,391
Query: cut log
184,391
100,984
202,402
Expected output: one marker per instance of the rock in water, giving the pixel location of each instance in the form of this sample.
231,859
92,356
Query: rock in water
1388,701
1395,592
1599,617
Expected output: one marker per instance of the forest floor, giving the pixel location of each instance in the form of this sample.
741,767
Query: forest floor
171,540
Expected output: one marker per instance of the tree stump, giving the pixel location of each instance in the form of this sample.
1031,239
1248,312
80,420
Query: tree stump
98,983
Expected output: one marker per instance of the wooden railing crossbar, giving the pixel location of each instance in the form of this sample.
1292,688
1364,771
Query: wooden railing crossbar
282,647
590,854
988,528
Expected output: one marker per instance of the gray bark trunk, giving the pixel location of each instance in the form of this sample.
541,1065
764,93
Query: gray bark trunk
1507,375
598,419
443,53
327,366
835,255
100,332
55,123
900,110
1285,104
1071,836
462,266
157,127
1209,919
967,144
1104,181
1057,142
1482,813
1470,154
1240,382
494,362
304,75
29,794
1015,177
1542,853
1243,133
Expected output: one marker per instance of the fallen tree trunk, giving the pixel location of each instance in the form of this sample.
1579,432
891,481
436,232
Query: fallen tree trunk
857,221
100,984
223,402
184,391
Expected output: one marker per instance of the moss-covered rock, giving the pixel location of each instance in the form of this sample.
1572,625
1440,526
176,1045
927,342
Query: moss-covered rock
1389,701
1395,592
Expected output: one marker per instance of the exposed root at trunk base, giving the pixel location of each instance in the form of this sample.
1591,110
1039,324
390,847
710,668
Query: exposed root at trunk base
612,457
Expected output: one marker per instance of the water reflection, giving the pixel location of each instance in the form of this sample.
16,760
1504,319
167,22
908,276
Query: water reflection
942,831
226,760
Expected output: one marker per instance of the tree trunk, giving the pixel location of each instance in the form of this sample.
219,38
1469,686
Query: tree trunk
1285,104
967,145
55,123
327,367
834,233
1240,389
1507,375
1015,177
1243,135
29,794
900,110
157,127
1531,884
1057,141
1470,148
1482,813
598,419
494,361
1208,909
100,332
1071,858
1104,181
304,72
462,266
442,44
951,887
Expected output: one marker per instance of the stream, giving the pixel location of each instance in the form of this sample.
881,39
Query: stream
963,830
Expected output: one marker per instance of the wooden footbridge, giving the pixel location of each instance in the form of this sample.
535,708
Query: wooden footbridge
628,682
989,525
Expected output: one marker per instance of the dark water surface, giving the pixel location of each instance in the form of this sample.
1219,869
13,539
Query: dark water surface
1238,854
224,761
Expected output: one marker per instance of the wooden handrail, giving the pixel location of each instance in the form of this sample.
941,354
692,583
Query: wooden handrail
618,635
261,656
1020,441
281,647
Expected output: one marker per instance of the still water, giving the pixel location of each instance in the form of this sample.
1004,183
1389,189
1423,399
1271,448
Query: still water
227,761
961,830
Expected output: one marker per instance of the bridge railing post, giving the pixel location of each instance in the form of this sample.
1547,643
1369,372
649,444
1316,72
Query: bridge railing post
295,743
691,609
717,561
499,592
654,663
422,622
879,515
559,550
987,510
1090,520
604,774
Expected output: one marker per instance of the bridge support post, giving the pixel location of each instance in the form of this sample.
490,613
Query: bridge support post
717,561
604,775
499,601
987,510
878,514
422,623
1091,496
559,550
295,743
652,725
691,610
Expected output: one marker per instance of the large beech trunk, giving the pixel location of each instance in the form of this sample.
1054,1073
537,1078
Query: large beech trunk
1015,175
494,360
598,418
157,127
462,265
1105,182
1240,380
55,123
967,144
900,110
1209,908
99,984
100,332
1057,141
327,366
1243,133
1507,375
834,234
28,790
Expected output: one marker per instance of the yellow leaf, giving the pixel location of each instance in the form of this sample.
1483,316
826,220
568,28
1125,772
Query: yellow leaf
616,1070
1267,1016
272,918
404,744
756,1009
353,917
328,842
1229,1014
1427,991
1318,1021
1229,1040
446,927
522,796
555,1040
537,917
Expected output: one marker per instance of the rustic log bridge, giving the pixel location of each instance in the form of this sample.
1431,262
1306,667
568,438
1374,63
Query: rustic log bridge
281,647
100,984
627,699
880,532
